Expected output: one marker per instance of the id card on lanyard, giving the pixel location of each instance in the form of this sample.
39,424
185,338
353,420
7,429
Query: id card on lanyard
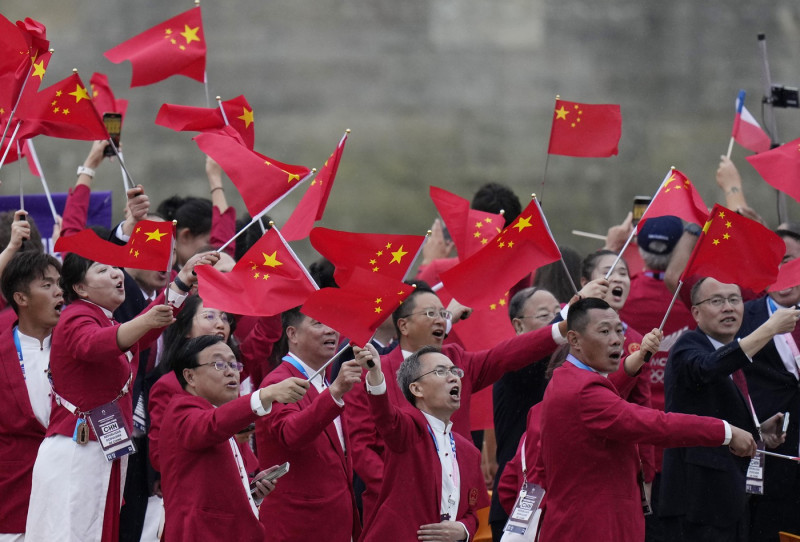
112,431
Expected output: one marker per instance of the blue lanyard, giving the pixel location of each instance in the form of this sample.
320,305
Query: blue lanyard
579,364
436,444
296,364
772,305
19,351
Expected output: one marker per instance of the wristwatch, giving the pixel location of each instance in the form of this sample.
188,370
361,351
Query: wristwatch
83,170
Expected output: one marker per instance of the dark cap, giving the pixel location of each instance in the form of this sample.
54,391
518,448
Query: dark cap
790,229
660,234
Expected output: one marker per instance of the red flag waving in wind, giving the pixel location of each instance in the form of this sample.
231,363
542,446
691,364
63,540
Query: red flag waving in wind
736,250
780,167
150,247
585,130
359,307
520,249
788,276
260,180
266,281
22,48
676,196
103,96
383,253
470,229
312,206
175,47
183,118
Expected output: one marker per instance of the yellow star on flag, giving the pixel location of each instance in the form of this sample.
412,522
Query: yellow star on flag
561,113
38,69
271,260
80,94
190,34
523,223
398,255
247,117
157,235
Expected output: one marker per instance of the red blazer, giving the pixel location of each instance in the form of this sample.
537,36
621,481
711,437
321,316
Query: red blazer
203,494
20,436
481,369
315,500
411,494
589,455
87,366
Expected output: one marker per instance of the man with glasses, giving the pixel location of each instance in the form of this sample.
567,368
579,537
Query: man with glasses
423,321
433,483
703,489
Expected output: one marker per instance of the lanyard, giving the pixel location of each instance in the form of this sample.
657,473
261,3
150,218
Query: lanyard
436,444
19,351
296,364
579,364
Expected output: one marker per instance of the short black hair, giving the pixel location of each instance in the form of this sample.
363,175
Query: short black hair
24,268
187,355
694,295
495,197
289,318
409,370
190,212
409,304
578,316
73,271
590,262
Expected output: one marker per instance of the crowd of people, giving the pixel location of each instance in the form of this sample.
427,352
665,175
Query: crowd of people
130,410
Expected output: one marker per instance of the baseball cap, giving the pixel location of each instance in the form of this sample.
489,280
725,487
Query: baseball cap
660,234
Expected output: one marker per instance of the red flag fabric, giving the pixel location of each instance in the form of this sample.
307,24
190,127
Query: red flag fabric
676,196
585,130
736,250
312,206
175,47
183,118
380,253
266,281
788,276
357,309
22,47
150,246
520,249
780,167
103,96
470,229
260,179
11,85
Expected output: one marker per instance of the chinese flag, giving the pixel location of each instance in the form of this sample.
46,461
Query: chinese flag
780,167
585,130
184,118
260,180
150,247
360,306
520,249
470,229
175,47
736,250
21,47
62,110
380,253
11,85
103,96
266,281
312,206
676,196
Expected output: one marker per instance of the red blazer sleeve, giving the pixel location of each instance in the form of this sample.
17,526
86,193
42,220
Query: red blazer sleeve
76,209
204,428
294,428
223,227
367,461
258,344
397,427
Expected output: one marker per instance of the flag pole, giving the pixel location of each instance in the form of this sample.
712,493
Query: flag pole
35,158
419,251
550,233
547,154
730,149
126,176
16,104
19,160
327,363
782,456
222,110
648,355
296,259
10,141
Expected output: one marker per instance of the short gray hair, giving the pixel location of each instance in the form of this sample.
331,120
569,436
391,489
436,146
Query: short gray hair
409,370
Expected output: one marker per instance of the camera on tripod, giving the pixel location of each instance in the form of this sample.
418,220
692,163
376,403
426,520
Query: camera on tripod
783,96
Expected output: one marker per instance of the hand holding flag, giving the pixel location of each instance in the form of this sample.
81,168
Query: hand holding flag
676,196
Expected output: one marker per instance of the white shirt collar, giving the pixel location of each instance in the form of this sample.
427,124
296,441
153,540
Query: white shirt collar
438,426
105,310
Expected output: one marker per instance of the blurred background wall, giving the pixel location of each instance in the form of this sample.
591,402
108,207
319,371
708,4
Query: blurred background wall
452,93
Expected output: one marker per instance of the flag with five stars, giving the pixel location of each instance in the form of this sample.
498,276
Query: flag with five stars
736,250
520,249
470,229
183,118
585,130
780,167
103,96
676,196
266,281
175,47
150,246
746,130
312,206
380,253
359,307
62,110
261,180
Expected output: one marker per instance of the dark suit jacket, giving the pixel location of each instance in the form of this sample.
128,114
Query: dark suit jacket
773,389
706,485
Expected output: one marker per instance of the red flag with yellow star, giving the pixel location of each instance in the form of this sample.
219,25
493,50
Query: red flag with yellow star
183,118
312,206
585,130
470,229
736,250
62,110
780,167
150,246
175,47
520,249
676,196
379,253
266,281
103,96
359,307
260,179
11,85
22,47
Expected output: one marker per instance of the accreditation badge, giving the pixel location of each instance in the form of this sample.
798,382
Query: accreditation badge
111,430
523,523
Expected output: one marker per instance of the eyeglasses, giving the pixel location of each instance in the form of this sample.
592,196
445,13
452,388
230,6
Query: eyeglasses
433,313
718,301
442,371
211,316
541,317
220,365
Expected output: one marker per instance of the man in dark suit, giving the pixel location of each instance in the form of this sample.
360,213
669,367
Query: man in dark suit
703,489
